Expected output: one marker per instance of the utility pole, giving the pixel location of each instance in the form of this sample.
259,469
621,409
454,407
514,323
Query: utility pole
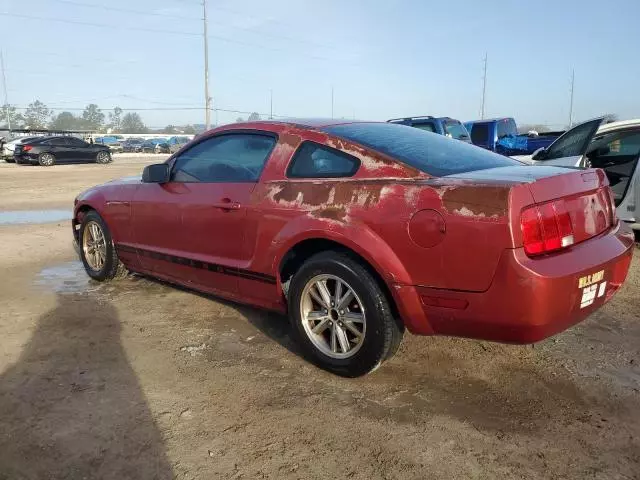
207,99
270,104
484,87
331,101
571,99
4,85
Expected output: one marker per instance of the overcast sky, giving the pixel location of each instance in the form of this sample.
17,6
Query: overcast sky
383,58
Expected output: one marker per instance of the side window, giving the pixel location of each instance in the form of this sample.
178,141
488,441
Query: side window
480,133
57,142
75,142
317,161
426,126
225,158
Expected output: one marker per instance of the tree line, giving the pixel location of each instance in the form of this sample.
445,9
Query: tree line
39,116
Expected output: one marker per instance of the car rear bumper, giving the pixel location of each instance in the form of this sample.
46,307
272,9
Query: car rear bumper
529,299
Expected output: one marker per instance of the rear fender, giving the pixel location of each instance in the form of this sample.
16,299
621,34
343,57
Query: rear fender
354,236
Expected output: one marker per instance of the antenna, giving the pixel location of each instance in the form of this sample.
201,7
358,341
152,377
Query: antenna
484,87
571,98
4,85
207,99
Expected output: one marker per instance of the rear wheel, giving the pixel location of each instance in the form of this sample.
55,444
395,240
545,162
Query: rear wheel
341,316
103,157
97,250
46,159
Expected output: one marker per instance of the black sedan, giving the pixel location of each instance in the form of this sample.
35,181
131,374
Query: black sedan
48,151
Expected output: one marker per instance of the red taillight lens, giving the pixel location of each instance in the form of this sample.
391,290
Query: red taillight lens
26,148
546,227
612,205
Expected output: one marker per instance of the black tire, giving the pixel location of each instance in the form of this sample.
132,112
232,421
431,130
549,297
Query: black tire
383,331
112,267
103,157
46,159
9,160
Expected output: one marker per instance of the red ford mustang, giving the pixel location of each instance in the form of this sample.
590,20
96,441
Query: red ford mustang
359,230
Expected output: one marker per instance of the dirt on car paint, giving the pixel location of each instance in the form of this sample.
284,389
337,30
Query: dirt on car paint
139,379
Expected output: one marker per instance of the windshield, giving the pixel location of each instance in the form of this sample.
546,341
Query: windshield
434,154
456,130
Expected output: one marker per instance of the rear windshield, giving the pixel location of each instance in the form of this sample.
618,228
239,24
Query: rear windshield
434,154
480,133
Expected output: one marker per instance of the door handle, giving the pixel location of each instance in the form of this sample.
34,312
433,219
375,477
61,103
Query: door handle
227,204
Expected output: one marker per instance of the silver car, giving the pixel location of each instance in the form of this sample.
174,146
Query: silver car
614,147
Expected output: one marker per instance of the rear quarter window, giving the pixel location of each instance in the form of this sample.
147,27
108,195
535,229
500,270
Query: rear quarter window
431,153
312,160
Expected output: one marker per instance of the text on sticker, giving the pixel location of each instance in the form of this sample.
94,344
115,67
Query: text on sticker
590,279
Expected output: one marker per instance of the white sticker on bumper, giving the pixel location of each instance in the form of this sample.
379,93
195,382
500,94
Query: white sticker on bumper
588,295
601,290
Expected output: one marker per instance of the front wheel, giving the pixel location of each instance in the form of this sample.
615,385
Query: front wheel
97,250
103,157
341,316
46,159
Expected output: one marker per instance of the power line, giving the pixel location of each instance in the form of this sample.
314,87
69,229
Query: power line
171,32
170,15
100,25
124,10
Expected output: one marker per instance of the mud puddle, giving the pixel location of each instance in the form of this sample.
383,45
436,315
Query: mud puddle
68,277
24,217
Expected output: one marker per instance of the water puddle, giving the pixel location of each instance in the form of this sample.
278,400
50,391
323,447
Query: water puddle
23,217
68,277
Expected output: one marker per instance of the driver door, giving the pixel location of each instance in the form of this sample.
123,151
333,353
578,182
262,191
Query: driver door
568,150
191,229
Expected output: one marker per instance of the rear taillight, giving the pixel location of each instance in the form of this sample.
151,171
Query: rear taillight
546,228
26,148
613,218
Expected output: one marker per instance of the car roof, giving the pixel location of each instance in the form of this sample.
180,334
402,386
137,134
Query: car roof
608,127
489,120
304,122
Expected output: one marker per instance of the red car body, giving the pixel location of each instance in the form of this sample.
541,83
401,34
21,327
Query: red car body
449,250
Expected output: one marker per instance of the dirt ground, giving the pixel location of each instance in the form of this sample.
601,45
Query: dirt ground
141,380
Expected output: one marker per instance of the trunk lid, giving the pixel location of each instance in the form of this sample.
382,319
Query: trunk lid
583,194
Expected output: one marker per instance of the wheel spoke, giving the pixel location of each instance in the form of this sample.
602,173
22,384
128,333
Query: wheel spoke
354,317
353,329
317,298
342,339
334,346
345,300
338,292
324,292
322,326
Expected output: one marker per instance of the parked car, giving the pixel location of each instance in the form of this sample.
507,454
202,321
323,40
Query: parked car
9,147
614,147
449,127
48,151
500,135
149,145
132,145
113,142
360,230
176,143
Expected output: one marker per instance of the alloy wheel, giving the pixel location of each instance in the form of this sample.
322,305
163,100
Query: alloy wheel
94,245
333,316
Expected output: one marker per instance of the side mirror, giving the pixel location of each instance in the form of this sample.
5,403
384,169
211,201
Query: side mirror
156,173
539,154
